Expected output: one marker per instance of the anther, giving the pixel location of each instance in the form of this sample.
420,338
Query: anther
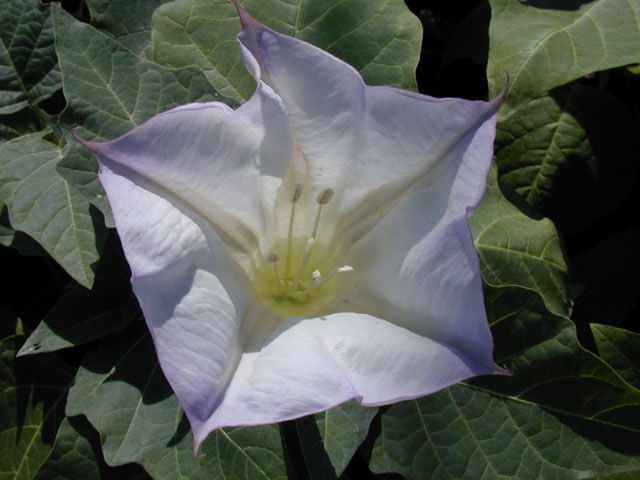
323,198
316,278
307,249
273,258
297,193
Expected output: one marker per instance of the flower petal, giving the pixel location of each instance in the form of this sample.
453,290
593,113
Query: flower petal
314,364
187,288
370,144
419,263
223,164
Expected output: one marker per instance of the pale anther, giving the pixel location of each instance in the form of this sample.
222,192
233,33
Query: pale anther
273,258
323,198
297,192
316,277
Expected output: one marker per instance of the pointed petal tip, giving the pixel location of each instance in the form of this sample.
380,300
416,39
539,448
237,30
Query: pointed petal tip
500,97
91,146
502,371
247,21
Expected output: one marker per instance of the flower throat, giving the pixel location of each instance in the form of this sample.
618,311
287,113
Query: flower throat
298,277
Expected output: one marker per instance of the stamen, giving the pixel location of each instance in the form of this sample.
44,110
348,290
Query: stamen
297,193
273,258
303,260
316,277
323,198
343,269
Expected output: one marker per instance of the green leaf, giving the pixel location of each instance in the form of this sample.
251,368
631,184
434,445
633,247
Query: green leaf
620,348
32,393
76,455
563,150
543,44
82,315
28,71
122,391
128,22
329,439
43,205
18,240
380,39
110,90
626,475
606,280
516,250
563,413
567,154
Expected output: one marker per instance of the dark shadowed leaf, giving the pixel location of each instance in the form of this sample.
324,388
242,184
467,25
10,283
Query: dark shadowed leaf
567,154
43,205
606,280
28,70
32,393
83,315
620,348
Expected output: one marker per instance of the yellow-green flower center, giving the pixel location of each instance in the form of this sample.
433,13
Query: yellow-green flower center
303,281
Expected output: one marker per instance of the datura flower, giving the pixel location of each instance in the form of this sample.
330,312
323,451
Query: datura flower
311,246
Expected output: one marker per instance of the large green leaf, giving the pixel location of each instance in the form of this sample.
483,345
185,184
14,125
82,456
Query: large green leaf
567,154
565,150
329,439
28,71
620,348
82,315
110,90
77,455
128,22
123,393
43,205
543,44
32,393
563,413
380,39
516,250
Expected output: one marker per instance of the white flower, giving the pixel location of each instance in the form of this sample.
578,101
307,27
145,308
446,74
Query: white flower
311,246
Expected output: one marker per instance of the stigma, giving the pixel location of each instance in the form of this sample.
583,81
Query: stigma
304,279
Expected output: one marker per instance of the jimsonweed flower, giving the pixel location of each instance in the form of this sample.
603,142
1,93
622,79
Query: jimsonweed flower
311,246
